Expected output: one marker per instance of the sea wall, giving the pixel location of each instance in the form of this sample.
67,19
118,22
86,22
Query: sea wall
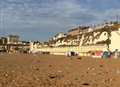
81,50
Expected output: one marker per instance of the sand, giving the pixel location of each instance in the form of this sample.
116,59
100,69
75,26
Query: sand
30,70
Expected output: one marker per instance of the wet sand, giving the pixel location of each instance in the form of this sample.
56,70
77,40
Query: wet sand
28,70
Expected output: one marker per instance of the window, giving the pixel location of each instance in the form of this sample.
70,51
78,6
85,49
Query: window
105,34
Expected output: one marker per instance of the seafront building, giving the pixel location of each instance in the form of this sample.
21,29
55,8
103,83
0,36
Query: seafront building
84,39
13,39
12,44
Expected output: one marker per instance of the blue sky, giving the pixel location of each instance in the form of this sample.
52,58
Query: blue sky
41,19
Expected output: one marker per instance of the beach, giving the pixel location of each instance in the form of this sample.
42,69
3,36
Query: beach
35,70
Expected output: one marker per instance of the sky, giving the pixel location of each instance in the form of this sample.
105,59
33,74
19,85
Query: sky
42,19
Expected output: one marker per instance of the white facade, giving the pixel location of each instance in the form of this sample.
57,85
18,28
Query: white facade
115,40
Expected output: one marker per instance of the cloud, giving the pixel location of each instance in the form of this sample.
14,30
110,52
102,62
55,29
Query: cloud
39,19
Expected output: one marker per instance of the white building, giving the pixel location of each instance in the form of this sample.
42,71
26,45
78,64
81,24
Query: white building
115,40
107,37
59,35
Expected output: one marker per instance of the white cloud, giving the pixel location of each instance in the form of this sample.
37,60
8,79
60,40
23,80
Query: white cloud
51,15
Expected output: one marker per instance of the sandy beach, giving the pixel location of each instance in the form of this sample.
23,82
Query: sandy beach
31,70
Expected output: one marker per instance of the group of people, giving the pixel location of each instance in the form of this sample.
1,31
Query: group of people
106,54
